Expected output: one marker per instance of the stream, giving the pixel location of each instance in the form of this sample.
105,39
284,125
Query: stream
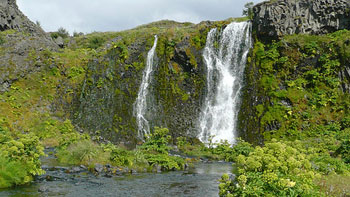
200,180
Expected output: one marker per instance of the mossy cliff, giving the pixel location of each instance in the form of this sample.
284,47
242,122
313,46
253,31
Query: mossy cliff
297,85
97,76
104,104
19,40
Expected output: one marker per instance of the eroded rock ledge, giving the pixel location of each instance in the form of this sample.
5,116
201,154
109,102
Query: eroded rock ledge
284,17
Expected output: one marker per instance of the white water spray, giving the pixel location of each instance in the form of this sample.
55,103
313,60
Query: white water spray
225,57
141,101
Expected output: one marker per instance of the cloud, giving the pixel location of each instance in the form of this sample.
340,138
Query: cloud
115,15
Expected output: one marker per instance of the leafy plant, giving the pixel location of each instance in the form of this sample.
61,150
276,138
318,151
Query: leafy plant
157,142
19,158
273,170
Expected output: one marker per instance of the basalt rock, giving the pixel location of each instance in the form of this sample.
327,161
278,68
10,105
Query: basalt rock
20,48
12,18
284,17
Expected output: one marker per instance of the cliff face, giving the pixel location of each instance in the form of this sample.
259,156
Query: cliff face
104,105
19,37
297,85
12,18
285,17
293,84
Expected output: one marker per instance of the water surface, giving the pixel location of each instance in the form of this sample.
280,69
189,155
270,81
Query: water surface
199,181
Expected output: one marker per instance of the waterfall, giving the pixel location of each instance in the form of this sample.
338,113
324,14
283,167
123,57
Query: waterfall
225,56
141,101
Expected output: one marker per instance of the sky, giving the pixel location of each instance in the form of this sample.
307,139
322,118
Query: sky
115,15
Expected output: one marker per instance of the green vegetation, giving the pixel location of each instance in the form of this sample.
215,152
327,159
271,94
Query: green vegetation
93,83
273,170
61,32
248,10
19,158
27,123
302,104
214,151
79,149
2,40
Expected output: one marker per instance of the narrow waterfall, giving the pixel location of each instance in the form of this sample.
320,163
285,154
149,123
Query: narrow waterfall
141,101
225,57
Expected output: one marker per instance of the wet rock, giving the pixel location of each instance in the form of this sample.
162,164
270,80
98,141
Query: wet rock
75,170
60,168
108,175
45,167
108,165
49,178
83,167
98,168
126,170
186,166
43,189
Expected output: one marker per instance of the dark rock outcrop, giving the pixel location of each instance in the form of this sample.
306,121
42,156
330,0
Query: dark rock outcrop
12,18
21,48
284,17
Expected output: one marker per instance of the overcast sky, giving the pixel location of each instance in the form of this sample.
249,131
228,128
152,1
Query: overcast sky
115,15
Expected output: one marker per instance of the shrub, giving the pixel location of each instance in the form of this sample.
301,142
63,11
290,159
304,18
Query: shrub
12,173
157,142
156,150
344,150
121,157
95,42
61,32
273,170
19,158
166,162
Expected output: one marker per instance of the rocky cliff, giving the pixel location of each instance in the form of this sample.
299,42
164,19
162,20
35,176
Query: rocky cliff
297,78
12,18
104,105
285,17
18,38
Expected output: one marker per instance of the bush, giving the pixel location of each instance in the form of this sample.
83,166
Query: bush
344,150
19,158
273,170
166,162
156,150
95,42
157,142
121,157
12,173
61,32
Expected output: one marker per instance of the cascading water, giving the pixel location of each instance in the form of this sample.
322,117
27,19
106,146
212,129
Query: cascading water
225,56
141,101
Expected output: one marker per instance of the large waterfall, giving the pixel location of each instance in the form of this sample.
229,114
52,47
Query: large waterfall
141,101
225,57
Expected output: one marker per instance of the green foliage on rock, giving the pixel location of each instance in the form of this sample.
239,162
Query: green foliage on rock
298,83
